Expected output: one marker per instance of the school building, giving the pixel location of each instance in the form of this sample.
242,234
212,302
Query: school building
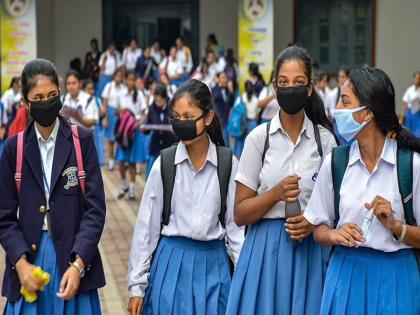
338,33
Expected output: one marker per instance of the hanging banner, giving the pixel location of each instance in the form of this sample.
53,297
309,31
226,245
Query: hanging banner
17,37
255,37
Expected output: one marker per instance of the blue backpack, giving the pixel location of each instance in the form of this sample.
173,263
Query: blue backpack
237,125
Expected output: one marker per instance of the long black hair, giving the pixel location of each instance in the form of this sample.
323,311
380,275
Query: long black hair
14,81
255,70
34,69
374,89
199,94
314,108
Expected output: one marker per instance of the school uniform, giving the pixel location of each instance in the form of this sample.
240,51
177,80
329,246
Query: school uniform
112,92
412,121
10,99
130,58
159,140
98,130
76,220
272,108
184,57
80,104
137,152
412,98
223,102
381,276
189,273
273,275
110,63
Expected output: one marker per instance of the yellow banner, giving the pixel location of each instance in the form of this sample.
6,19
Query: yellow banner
17,37
255,37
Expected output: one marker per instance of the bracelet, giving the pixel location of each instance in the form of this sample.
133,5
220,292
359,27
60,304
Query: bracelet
402,236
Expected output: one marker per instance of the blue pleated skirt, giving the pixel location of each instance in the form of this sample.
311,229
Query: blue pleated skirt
103,80
188,277
112,123
274,276
99,143
136,153
365,281
48,303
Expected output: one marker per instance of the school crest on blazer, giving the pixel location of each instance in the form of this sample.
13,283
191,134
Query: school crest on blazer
71,173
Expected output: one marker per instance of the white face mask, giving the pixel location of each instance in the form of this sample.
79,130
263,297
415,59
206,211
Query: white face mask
347,127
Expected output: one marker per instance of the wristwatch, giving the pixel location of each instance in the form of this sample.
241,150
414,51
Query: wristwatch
79,268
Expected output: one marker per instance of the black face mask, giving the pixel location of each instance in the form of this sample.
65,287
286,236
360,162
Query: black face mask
292,99
45,112
186,130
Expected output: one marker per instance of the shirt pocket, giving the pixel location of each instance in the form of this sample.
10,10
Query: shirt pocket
396,204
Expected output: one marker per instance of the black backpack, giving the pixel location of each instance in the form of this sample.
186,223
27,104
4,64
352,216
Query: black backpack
168,172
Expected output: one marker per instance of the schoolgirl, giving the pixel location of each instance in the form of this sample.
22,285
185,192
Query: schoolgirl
52,206
110,96
95,101
133,102
366,203
189,273
109,62
130,55
267,102
75,103
9,104
281,269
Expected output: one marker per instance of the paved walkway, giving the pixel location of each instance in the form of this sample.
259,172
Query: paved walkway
114,246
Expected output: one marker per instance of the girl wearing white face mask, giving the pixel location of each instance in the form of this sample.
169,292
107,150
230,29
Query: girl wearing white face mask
366,202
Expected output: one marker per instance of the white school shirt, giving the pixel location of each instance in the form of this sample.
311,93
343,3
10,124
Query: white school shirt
358,187
272,107
125,101
47,148
130,57
195,213
283,158
171,67
9,98
184,57
112,92
252,109
88,111
331,101
112,62
412,98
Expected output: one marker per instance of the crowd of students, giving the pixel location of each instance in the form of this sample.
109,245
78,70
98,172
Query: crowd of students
290,223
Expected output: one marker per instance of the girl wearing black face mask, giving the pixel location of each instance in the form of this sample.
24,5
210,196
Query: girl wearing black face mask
41,174
190,259
281,268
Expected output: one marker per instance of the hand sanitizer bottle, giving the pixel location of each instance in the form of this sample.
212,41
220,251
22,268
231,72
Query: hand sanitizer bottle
367,222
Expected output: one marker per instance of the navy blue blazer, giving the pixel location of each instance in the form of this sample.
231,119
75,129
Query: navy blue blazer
222,106
77,220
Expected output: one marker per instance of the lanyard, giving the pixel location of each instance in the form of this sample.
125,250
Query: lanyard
47,184
45,180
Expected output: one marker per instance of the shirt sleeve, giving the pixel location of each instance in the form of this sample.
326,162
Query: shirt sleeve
146,233
320,208
406,97
92,111
102,60
105,93
234,233
250,163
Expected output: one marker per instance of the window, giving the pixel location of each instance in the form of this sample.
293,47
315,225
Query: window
335,32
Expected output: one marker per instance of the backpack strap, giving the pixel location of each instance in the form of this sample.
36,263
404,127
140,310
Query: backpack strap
318,139
79,158
339,161
224,170
405,182
266,143
19,161
168,172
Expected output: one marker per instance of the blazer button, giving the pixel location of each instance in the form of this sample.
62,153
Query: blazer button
42,209
33,248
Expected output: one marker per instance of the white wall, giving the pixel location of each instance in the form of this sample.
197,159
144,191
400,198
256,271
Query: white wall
397,43
65,29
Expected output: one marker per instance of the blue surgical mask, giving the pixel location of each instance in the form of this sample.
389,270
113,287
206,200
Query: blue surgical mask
347,127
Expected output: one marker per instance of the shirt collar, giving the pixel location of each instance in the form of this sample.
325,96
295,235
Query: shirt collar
276,125
182,154
53,135
388,152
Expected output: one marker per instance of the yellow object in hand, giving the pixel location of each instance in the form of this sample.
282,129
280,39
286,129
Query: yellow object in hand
42,276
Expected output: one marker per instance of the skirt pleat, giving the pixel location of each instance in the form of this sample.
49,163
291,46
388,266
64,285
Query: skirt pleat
274,276
112,119
136,153
48,303
365,281
188,277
